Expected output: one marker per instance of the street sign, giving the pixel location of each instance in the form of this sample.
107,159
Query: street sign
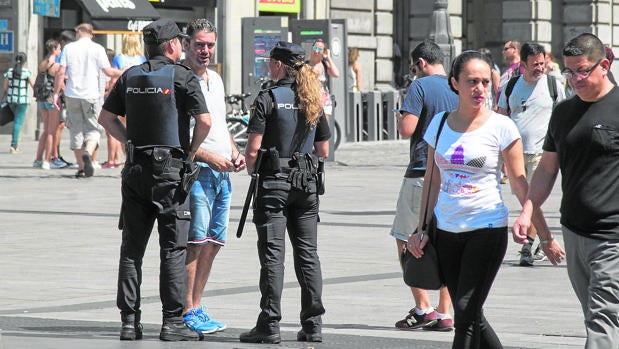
50,8
6,41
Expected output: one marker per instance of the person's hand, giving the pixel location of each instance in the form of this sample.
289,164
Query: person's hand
57,101
219,163
553,251
520,228
416,243
326,54
239,163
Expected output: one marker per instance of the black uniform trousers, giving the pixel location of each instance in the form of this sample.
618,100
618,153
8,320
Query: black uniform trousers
150,191
278,207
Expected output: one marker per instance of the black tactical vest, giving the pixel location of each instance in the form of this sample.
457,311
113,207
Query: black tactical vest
152,117
287,129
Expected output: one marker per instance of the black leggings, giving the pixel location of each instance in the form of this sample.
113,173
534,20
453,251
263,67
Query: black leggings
469,262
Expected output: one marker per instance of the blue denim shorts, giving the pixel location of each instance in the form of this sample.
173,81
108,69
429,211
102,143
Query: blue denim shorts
210,207
46,106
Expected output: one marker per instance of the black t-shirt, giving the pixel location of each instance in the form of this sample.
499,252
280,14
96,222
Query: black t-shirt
187,92
585,136
263,108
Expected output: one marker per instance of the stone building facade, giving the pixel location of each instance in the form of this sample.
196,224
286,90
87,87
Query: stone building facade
383,31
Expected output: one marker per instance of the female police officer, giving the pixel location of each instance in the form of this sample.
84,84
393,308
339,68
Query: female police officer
287,120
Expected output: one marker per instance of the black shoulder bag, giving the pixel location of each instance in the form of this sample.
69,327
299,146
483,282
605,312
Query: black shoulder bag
424,272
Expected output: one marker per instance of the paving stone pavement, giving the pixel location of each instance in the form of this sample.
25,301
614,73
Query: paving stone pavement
59,249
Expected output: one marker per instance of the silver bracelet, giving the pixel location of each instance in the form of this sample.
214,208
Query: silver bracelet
548,241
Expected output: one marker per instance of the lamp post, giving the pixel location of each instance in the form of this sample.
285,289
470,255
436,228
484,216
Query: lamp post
440,30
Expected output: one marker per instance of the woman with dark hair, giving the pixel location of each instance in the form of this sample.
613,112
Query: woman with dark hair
16,87
49,114
465,196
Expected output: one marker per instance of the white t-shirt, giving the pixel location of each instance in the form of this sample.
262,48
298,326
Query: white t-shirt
531,105
218,139
84,60
470,194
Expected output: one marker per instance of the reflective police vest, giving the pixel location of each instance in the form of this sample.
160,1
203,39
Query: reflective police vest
289,131
150,103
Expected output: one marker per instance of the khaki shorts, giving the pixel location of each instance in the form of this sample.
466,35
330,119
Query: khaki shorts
82,115
530,164
407,209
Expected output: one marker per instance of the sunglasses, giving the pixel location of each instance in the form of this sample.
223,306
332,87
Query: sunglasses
317,49
414,67
507,48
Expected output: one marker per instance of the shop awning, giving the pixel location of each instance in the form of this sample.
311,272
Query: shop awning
119,15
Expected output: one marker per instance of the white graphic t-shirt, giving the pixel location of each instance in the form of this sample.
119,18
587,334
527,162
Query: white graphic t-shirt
470,194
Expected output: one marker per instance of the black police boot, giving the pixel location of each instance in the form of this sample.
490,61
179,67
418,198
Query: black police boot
255,336
303,336
130,331
177,331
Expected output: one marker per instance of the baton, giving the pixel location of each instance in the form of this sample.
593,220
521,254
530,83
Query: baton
253,185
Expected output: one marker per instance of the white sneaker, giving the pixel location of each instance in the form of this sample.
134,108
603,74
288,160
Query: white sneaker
45,165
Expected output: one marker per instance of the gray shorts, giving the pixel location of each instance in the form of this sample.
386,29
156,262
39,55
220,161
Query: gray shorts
82,115
407,209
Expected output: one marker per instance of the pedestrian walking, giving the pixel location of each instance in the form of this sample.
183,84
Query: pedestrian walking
582,142
465,145
529,100
428,95
16,81
82,61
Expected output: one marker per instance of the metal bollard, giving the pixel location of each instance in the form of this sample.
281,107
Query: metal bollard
374,116
354,122
390,103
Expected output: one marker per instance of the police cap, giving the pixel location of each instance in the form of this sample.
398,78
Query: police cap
160,31
288,53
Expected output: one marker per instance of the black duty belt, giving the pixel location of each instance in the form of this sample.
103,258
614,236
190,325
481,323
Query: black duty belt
148,153
284,162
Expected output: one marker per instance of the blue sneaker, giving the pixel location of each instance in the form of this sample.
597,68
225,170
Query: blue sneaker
57,163
195,322
207,319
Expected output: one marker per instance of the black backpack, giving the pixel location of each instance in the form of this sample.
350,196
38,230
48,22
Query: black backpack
43,86
552,88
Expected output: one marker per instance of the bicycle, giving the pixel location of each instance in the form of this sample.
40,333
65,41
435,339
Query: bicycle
237,118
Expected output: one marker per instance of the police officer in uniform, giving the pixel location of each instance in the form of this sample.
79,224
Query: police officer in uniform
158,98
286,126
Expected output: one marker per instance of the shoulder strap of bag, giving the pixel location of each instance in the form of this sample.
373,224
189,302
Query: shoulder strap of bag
509,88
438,134
552,87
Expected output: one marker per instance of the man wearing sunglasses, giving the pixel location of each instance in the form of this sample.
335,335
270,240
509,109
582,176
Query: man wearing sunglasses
583,142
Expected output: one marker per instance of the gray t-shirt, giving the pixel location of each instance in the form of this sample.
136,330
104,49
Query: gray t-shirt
531,105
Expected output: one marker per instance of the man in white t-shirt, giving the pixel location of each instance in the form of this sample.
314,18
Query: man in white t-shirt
529,103
82,61
210,194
